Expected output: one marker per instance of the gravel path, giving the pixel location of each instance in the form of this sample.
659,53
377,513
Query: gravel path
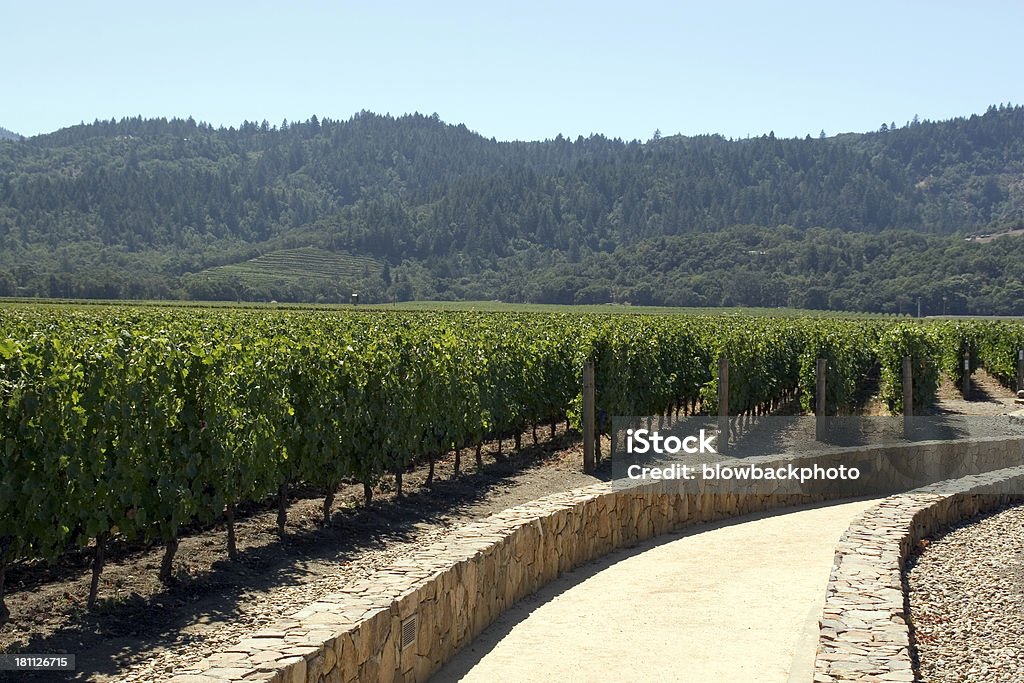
967,602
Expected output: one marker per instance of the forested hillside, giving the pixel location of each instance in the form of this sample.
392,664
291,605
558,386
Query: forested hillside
8,135
153,208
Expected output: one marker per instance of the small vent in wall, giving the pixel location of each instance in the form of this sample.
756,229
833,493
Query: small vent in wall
408,631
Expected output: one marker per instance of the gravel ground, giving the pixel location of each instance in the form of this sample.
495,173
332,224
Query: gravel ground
967,601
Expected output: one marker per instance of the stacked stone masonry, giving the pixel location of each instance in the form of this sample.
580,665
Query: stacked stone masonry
457,587
864,632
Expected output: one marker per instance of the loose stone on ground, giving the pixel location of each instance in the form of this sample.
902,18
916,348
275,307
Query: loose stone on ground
967,601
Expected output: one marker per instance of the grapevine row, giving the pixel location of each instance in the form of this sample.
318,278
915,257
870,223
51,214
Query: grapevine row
135,422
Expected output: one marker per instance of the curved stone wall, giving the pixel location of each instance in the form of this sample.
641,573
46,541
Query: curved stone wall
864,630
404,622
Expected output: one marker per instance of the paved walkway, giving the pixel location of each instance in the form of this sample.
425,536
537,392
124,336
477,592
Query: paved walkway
732,601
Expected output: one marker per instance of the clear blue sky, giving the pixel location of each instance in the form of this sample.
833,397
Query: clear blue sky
523,70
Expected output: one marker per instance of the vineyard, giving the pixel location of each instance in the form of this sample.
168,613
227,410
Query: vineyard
123,422
289,268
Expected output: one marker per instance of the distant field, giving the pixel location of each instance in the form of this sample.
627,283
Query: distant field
615,308
298,265
456,306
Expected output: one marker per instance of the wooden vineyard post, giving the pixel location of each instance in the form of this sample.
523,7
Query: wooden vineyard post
967,376
1020,369
588,417
908,396
820,369
723,404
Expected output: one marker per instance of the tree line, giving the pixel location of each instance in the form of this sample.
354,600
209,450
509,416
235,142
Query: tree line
136,207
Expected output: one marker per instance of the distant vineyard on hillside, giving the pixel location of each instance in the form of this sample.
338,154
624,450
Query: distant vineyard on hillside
286,273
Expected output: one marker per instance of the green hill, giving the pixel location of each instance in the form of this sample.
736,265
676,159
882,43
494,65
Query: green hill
157,208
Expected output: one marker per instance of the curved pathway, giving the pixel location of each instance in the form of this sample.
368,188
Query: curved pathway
736,600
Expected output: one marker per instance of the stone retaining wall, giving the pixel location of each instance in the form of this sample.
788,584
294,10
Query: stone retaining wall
404,622
864,630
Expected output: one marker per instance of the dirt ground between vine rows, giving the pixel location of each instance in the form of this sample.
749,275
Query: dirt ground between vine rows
144,631
988,397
